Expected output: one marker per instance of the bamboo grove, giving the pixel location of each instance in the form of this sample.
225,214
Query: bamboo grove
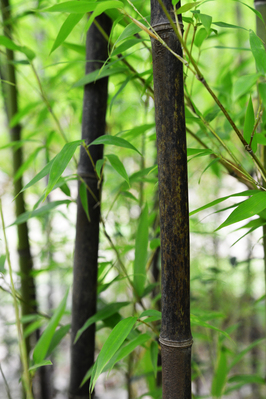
133,180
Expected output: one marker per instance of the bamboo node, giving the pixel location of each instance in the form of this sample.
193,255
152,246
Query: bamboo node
175,343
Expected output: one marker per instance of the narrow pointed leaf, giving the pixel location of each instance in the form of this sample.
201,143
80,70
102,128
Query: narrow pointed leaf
40,211
102,7
101,315
186,7
77,7
69,24
112,344
41,348
249,121
41,364
245,351
118,166
60,163
141,251
154,356
84,199
57,337
114,141
252,206
258,52
27,163
220,375
98,74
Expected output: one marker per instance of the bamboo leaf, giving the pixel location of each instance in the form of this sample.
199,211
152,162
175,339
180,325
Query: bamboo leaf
2,264
60,163
247,209
197,321
200,37
129,196
154,350
40,211
225,25
252,9
45,171
141,251
249,122
22,112
67,27
98,167
151,313
101,315
185,7
118,166
114,141
57,337
9,44
217,201
41,348
73,7
126,45
84,198
99,74
206,21
102,7
258,51
154,243
139,130
41,364
27,163
220,375
244,84
130,30
245,351
112,344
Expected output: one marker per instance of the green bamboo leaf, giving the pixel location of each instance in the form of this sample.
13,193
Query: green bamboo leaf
126,45
67,27
130,30
193,152
99,74
245,351
9,44
60,163
141,252
252,9
246,209
102,7
217,201
244,84
118,166
246,379
114,141
32,327
154,356
262,92
258,51
22,112
57,337
80,49
129,196
185,7
220,375
154,243
249,123
41,364
151,313
215,161
112,344
45,171
76,7
225,25
40,211
197,321
2,264
200,37
139,130
206,21
41,347
84,199
101,315
120,354
27,163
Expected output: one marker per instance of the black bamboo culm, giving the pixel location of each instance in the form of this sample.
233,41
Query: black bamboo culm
87,232
8,74
175,337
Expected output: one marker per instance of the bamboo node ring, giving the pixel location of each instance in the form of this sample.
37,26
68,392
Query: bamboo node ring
174,343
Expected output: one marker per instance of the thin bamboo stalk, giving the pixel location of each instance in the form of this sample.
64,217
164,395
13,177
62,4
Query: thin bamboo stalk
175,337
11,104
87,232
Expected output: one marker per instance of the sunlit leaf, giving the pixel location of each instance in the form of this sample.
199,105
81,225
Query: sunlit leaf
220,375
185,7
57,337
102,7
77,7
69,24
118,166
41,348
84,198
249,124
258,51
111,345
114,141
154,356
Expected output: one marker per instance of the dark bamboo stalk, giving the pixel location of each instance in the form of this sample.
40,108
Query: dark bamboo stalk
175,337
11,105
87,232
